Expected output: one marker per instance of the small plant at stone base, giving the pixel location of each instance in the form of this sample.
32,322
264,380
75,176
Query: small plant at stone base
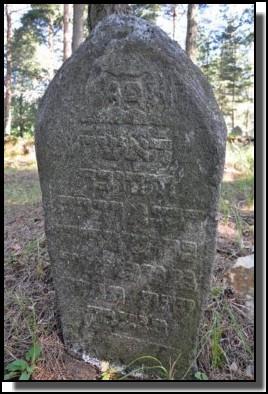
22,369
167,374
239,331
111,373
108,372
200,376
216,351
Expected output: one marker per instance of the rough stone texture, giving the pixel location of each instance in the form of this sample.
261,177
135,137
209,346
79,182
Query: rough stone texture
130,148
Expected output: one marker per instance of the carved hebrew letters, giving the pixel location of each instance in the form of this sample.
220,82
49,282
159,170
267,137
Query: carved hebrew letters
130,148
138,149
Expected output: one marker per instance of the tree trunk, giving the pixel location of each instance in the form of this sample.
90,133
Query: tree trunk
97,12
233,90
78,12
191,31
248,109
233,105
66,32
174,19
21,120
8,74
50,48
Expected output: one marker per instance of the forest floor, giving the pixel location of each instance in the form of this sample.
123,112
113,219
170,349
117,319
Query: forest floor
226,337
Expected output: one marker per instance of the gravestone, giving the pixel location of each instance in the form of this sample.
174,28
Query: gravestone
130,147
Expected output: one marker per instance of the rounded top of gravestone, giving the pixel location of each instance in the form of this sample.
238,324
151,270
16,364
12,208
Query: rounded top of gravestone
129,73
127,26
141,41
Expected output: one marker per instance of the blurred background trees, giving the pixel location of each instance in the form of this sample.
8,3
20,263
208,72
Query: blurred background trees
219,38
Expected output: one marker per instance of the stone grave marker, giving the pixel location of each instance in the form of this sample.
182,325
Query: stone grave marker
130,147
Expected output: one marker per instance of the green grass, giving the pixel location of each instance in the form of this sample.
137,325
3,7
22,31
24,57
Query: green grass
238,192
22,189
143,365
239,331
28,299
31,247
216,352
226,337
27,195
237,188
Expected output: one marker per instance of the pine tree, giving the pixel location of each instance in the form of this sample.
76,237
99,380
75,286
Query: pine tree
43,21
32,66
223,56
234,70
8,72
146,11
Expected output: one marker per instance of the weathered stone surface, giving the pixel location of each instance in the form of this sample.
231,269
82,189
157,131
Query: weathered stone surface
241,277
130,148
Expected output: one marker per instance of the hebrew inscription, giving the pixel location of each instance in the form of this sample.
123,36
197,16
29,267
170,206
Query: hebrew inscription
130,149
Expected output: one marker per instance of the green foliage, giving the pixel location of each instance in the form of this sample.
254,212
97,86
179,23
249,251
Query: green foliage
157,367
220,335
238,192
153,365
224,57
32,62
31,247
22,369
146,11
238,329
241,189
23,116
216,353
108,374
33,353
39,16
200,376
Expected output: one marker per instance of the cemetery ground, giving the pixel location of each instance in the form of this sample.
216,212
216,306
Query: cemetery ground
32,327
